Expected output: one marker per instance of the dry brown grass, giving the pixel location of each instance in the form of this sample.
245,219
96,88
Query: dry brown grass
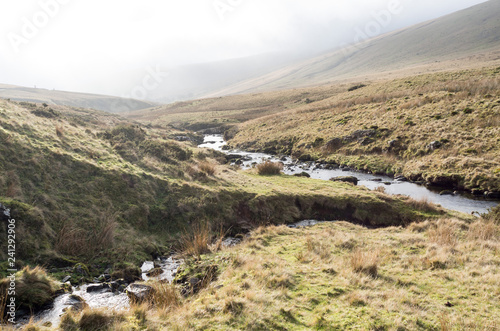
422,204
269,168
165,296
482,230
73,239
365,262
59,131
444,232
207,167
196,240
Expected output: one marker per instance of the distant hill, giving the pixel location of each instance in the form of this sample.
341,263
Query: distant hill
95,101
197,80
471,36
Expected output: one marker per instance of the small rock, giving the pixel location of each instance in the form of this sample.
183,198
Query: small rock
435,145
155,272
65,279
392,143
492,195
97,287
446,192
477,192
139,292
105,278
76,302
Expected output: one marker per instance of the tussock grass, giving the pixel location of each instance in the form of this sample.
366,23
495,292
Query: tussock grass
444,232
34,288
484,230
364,262
207,167
165,297
269,168
422,204
196,240
91,320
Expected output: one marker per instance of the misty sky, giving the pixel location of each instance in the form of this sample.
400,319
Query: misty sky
101,46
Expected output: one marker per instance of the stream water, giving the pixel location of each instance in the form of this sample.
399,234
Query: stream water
458,202
105,298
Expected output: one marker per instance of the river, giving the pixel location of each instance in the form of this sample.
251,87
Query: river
459,202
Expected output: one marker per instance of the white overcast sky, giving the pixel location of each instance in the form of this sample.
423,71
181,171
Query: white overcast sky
89,45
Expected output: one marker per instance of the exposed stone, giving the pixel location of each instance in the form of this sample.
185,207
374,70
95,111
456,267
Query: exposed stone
139,292
97,287
477,192
76,302
4,213
492,195
435,145
118,285
155,272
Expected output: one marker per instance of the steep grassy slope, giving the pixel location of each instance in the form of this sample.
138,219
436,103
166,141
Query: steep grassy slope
93,187
84,100
470,36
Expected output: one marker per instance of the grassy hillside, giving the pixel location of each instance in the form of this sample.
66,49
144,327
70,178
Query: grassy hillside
465,38
222,113
83,100
441,128
86,186
334,276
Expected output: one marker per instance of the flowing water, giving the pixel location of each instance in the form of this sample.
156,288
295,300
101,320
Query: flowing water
458,202
105,298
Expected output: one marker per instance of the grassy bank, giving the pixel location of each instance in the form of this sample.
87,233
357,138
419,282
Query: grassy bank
428,276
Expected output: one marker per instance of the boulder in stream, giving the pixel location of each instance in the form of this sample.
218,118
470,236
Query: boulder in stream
76,303
97,287
139,292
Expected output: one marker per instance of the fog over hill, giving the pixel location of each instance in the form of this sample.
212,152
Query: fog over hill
470,36
167,51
